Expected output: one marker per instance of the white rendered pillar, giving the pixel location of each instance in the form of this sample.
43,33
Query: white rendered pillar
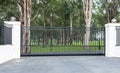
111,49
16,34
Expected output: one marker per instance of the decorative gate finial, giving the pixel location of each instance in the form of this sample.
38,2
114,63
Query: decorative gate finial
114,20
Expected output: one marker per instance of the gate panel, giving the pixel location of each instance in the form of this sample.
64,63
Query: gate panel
63,41
1,34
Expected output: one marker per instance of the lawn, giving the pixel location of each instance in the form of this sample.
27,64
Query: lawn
74,47
63,49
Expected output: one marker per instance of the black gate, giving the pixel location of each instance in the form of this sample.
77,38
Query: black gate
64,41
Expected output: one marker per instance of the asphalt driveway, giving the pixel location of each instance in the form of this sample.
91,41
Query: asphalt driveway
62,64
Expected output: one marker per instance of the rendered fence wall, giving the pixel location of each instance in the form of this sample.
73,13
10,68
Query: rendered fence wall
112,49
11,51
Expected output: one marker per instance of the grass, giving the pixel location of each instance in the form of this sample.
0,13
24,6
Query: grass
59,48
74,43
62,49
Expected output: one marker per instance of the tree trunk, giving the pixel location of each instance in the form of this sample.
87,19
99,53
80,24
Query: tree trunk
51,29
63,36
87,14
25,15
44,31
71,28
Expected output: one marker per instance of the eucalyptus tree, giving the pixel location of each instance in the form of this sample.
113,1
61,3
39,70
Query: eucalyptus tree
111,8
73,6
25,18
99,17
87,7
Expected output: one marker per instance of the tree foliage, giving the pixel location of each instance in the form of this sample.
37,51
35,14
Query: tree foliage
103,12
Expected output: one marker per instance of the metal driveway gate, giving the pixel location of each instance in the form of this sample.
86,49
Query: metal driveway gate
63,41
